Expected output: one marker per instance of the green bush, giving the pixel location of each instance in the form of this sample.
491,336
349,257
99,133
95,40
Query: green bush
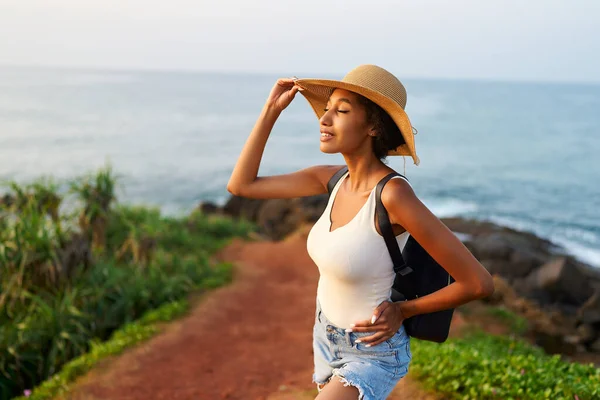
56,300
483,366
125,337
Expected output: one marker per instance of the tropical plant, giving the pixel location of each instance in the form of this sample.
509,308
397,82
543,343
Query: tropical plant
97,192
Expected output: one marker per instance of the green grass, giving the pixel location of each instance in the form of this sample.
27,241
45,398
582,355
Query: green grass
127,336
483,366
52,328
57,305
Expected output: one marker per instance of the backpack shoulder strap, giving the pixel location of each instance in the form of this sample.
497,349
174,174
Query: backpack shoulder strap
385,225
335,178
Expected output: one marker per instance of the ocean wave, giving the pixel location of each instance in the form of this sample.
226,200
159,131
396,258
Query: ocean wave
581,252
513,223
448,207
578,243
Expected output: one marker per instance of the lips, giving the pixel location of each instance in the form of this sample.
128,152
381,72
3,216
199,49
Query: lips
326,135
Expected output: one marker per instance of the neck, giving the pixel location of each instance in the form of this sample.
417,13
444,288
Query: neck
363,172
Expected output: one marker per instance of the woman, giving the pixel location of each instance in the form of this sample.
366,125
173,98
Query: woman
361,349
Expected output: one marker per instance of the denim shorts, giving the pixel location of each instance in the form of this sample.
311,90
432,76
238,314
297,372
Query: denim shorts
374,371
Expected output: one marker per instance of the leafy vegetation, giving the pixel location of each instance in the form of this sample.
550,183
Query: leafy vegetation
69,280
129,335
483,366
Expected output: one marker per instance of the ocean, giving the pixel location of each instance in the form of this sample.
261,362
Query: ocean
521,154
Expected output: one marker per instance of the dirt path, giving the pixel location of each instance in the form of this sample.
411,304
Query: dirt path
249,340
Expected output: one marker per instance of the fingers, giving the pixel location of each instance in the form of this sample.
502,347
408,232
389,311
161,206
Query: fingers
380,315
377,314
360,324
291,93
285,82
379,310
289,82
374,339
369,328
288,86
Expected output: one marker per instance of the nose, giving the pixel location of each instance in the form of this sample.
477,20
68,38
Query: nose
325,119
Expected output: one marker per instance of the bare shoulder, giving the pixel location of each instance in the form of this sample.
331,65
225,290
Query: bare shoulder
397,190
401,202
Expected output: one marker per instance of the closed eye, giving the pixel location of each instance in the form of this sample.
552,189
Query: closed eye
340,111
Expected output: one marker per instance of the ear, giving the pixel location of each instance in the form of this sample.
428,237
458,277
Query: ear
372,131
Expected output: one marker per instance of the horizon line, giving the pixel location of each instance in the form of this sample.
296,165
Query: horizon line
117,69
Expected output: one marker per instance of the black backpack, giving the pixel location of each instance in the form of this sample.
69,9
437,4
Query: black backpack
417,273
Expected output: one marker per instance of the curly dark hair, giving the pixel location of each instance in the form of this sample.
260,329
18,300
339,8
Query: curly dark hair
388,135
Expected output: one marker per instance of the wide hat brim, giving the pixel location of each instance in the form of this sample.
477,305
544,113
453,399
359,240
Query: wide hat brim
318,91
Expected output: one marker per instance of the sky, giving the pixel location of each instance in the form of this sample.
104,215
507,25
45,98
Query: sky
537,40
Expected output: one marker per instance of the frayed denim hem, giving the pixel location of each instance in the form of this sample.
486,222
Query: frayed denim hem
320,384
342,378
348,382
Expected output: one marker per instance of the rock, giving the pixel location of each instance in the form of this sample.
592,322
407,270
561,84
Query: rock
312,206
500,267
586,333
525,259
525,288
477,228
493,246
503,292
595,347
554,343
471,227
563,280
208,208
575,340
551,330
278,217
242,207
589,312
508,253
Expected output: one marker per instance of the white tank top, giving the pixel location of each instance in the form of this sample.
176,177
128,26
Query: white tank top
356,270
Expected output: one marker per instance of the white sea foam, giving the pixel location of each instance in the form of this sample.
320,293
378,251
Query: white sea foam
586,254
448,207
463,237
582,252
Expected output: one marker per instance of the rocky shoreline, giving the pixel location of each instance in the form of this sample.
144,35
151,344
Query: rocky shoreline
557,294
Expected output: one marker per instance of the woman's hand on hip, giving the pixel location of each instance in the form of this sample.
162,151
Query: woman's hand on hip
386,321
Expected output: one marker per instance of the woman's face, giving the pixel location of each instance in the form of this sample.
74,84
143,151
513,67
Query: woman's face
344,127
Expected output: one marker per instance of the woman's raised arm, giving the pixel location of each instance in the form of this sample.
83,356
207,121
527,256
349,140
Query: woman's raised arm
244,180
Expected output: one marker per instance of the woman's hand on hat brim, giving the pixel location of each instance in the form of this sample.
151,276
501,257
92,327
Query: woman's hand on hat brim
282,94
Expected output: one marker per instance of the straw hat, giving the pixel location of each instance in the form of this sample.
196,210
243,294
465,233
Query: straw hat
377,85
